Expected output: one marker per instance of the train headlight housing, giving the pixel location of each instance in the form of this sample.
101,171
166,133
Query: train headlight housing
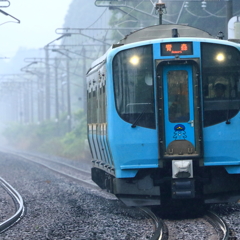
134,60
220,57
182,169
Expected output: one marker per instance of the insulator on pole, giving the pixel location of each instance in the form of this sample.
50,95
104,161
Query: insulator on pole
204,4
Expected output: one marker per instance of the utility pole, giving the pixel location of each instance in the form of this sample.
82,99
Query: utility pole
62,97
47,84
84,81
229,10
69,116
48,97
26,101
39,100
31,102
56,96
14,107
229,13
20,106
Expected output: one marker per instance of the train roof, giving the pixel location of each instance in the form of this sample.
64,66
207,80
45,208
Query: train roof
159,32
164,31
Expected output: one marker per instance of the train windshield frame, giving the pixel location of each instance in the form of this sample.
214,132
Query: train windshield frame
220,82
134,85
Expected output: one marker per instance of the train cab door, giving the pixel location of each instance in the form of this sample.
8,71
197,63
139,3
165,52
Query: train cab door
179,122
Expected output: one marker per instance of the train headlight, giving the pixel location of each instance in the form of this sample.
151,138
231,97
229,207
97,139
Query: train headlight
182,169
220,57
134,60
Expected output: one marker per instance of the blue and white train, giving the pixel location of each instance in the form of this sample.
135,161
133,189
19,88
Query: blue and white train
163,117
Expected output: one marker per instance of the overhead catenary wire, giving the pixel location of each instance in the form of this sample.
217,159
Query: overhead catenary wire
208,16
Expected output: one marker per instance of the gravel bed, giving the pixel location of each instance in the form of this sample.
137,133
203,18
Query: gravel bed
189,229
231,215
183,227
59,208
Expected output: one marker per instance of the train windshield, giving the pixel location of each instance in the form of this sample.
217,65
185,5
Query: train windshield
133,85
221,82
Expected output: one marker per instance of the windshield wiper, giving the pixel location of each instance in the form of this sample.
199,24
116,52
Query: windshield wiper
140,115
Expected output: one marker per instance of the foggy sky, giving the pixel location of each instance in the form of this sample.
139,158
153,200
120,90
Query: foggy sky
39,19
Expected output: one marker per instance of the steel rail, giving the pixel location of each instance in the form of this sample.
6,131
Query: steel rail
18,201
51,160
218,222
161,231
24,154
83,172
89,182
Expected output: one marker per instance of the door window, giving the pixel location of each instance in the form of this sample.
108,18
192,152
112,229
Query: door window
178,96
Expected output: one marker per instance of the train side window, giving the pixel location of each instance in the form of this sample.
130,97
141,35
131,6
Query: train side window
133,85
94,105
221,91
104,104
89,102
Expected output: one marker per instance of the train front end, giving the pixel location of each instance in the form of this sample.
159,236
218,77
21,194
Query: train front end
171,128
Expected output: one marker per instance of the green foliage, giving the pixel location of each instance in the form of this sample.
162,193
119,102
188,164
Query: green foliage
75,141
51,137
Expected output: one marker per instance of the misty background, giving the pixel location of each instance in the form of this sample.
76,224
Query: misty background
42,81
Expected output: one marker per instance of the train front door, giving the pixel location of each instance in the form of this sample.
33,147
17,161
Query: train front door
177,113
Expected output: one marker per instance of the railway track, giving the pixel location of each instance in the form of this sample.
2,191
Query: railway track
19,206
214,228
65,169
219,224
85,177
161,231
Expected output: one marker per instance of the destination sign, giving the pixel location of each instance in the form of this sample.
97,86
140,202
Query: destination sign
176,48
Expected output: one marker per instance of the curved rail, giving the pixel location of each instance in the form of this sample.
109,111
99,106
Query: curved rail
24,154
161,231
27,156
83,172
19,205
219,223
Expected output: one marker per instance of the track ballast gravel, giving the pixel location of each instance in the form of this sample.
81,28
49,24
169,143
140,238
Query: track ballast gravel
59,208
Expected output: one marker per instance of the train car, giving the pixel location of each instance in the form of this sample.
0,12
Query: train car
163,117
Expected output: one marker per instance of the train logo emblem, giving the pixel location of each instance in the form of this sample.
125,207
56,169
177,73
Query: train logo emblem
179,132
